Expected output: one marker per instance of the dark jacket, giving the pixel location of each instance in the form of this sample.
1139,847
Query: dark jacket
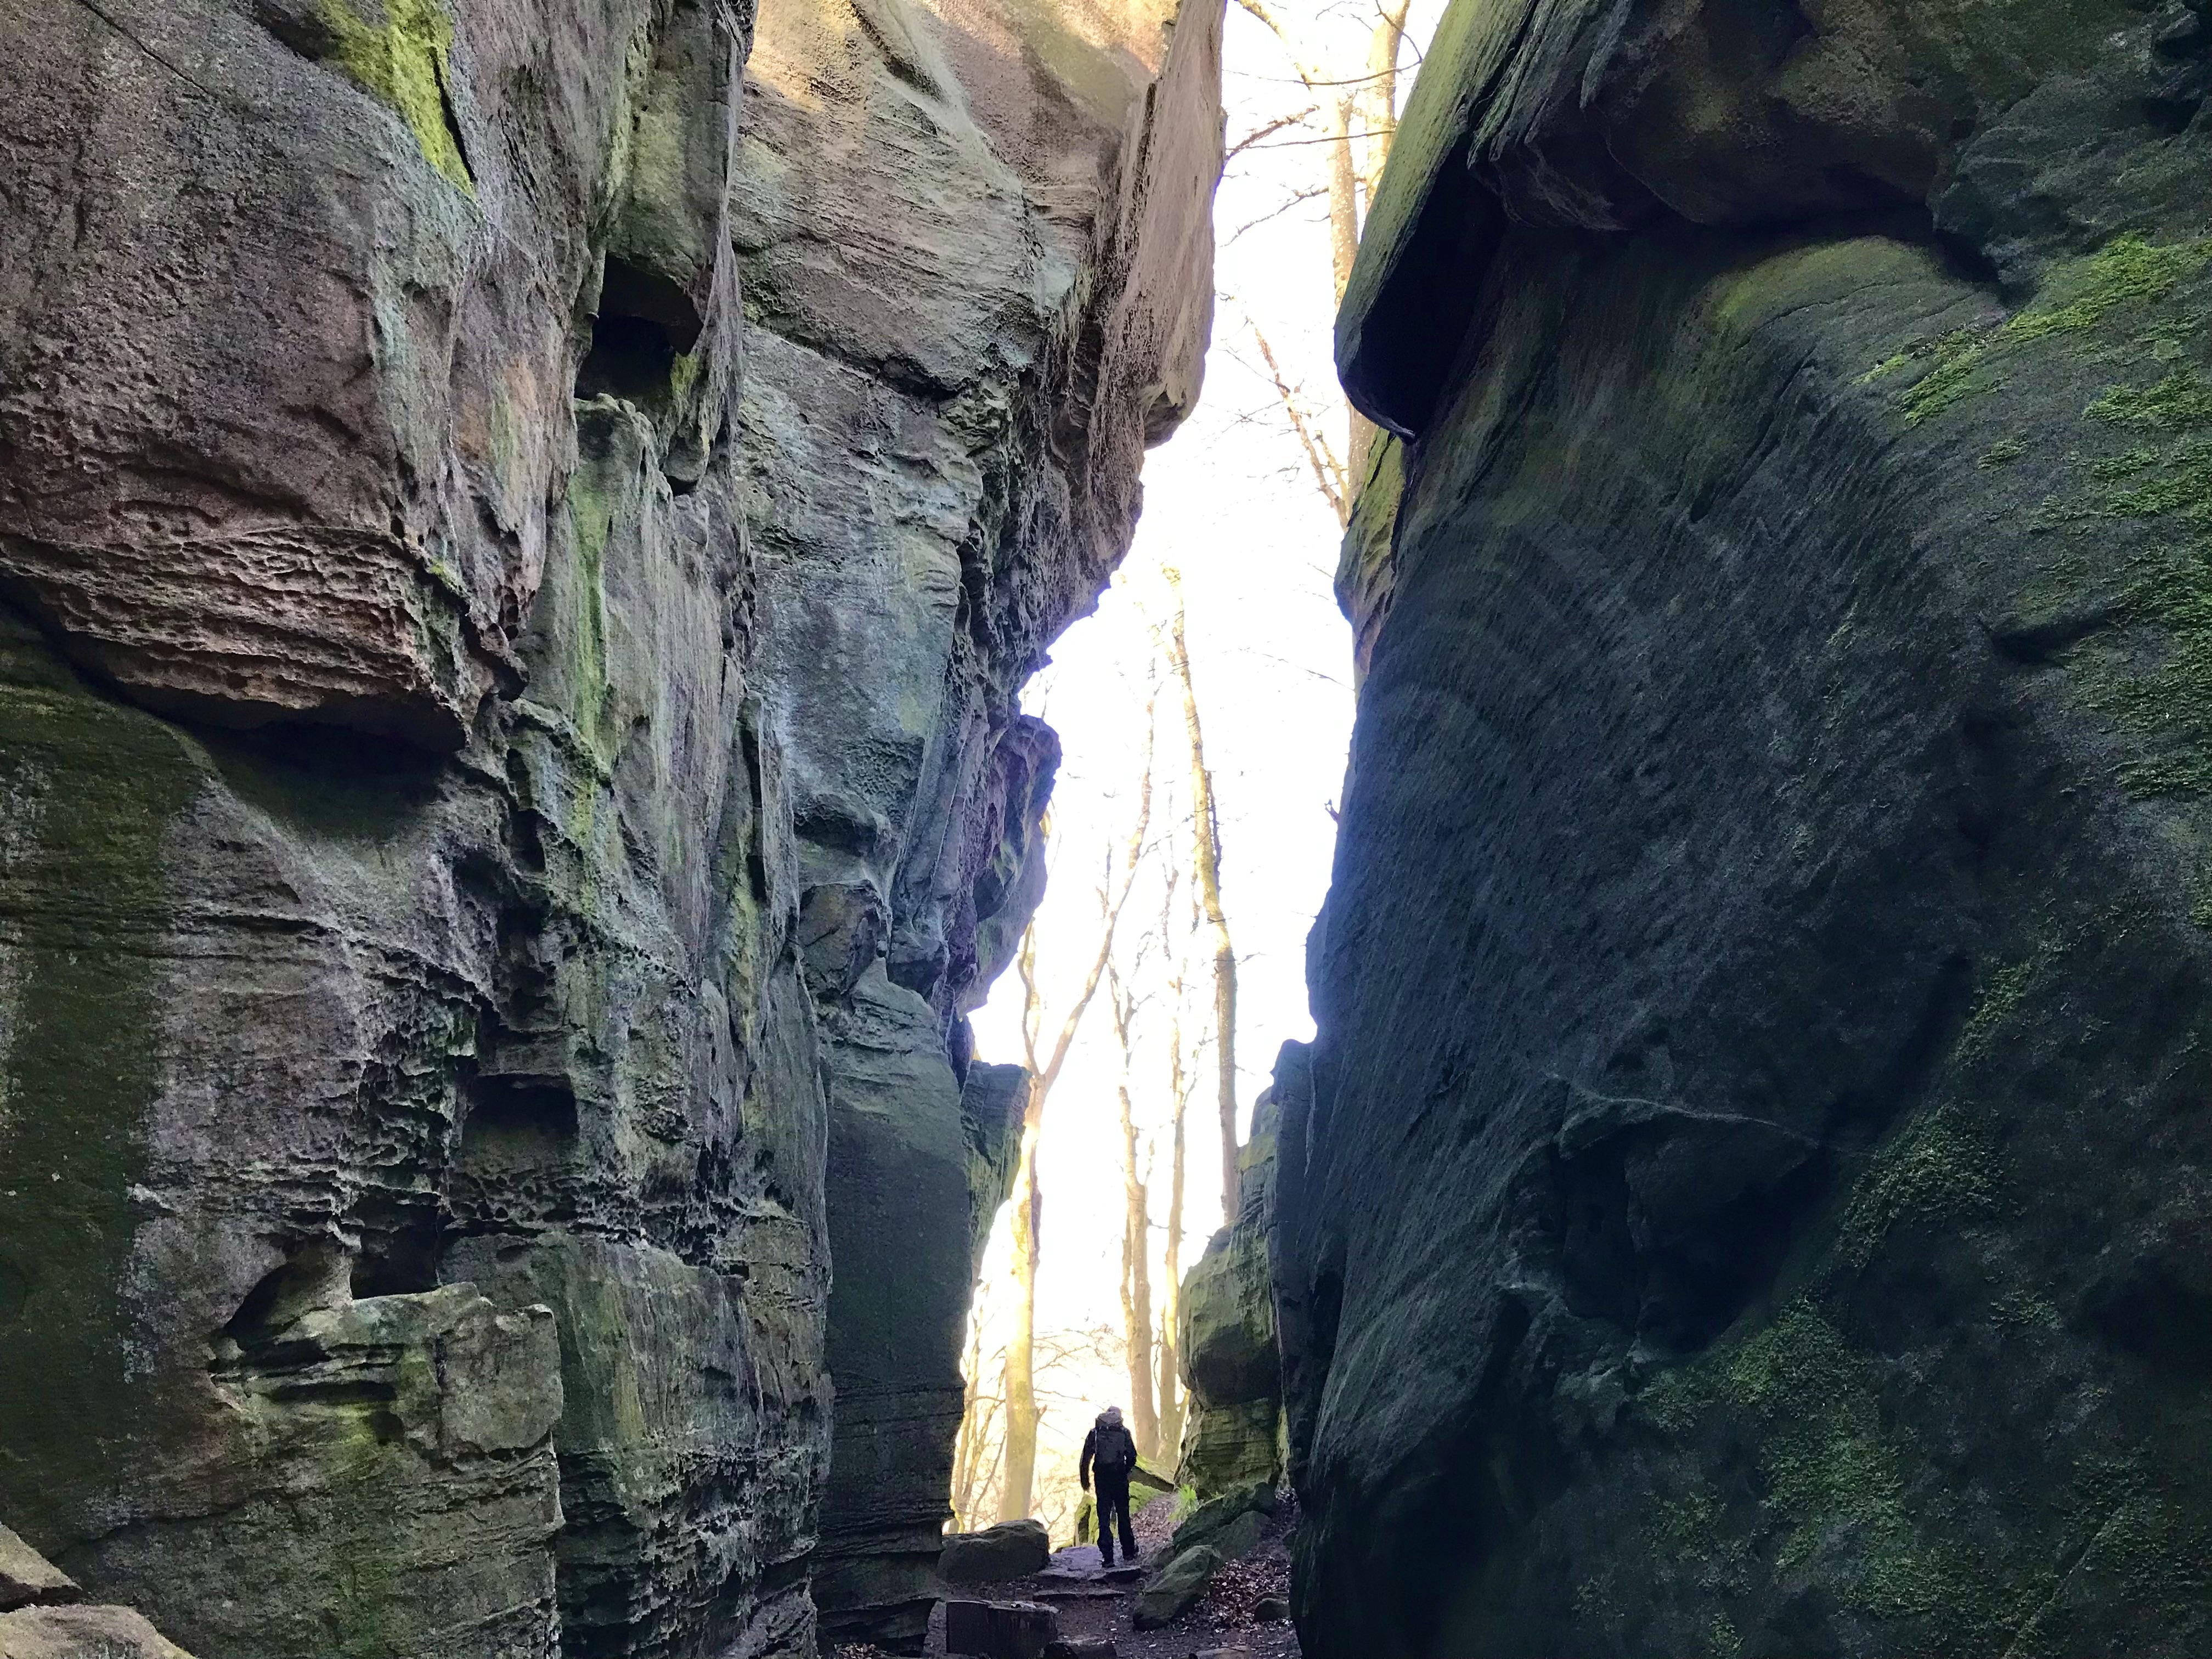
1113,1448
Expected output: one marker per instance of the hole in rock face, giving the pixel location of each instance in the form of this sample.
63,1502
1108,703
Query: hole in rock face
2171,116
630,358
398,1247
518,1122
1668,1223
2154,1311
1328,1314
645,322
15,1290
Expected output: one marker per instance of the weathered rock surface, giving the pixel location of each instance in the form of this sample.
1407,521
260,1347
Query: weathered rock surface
1233,1438
1231,1523
26,1576
98,1632
1013,1549
41,1617
1174,1589
1742,1199
1000,1630
503,786
977,256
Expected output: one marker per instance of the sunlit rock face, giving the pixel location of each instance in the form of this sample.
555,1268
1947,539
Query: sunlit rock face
482,770
1749,1200
976,254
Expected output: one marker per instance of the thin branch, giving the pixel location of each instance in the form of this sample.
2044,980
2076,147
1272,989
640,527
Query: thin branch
1253,138
1295,144
1300,80
1297,199
1327,470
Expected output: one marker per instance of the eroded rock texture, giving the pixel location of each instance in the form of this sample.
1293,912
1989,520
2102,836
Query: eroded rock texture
492,788
1750,1196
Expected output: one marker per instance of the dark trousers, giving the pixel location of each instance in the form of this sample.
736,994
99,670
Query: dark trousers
1114,1500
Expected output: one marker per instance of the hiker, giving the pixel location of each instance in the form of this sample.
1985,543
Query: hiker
1113,1451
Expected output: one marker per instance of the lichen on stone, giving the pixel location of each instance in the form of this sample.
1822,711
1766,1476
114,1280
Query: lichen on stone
405,59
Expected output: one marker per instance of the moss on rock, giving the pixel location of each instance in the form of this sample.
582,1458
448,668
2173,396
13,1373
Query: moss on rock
406,58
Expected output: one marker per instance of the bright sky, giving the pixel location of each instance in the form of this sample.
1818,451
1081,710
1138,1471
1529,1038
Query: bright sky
1231,501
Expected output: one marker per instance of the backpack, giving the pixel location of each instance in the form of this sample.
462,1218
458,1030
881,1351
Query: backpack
1116,1448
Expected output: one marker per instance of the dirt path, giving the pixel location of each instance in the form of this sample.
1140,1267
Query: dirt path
1092,1606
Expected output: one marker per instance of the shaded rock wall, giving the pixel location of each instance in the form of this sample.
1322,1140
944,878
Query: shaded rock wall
1746,1197
494,784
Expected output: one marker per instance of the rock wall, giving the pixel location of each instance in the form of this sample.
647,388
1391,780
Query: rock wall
1749,1200
1232,1434
977,263
505,760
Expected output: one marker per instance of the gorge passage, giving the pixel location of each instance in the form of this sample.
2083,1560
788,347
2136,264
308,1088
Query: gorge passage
522,529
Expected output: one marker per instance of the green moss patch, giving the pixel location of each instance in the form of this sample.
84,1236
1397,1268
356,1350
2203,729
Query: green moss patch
2079,298
1836,1480
2132,586
91,789
405,60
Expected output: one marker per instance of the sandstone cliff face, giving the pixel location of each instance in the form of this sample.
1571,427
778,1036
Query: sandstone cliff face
1747,1199
977,264
504,763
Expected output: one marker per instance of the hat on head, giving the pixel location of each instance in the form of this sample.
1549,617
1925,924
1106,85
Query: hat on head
1111,1414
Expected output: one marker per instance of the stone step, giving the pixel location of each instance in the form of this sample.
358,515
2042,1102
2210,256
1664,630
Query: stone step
1000,1630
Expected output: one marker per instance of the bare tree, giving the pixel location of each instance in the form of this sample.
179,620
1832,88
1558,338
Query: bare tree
1206,870
1386,44
1171,1402
1341,98
1328,472
1136,1233
1016,1491
978,1455
1362,114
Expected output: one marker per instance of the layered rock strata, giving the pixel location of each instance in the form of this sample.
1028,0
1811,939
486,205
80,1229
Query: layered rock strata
976,262
1747,1197
496,787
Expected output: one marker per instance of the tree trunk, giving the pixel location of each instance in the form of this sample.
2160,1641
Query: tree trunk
972,1475
1170,1398
1206,862
1017,1496
1379,122
1136,1242
1343,193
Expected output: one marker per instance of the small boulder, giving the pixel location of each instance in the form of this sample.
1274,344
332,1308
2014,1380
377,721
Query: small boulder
1012,1549
1271,1610
82,1634
26,1576
1240,1537
1000,1630
1175,1588
1210,1521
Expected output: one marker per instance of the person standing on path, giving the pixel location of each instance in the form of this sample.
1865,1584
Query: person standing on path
1113,1451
